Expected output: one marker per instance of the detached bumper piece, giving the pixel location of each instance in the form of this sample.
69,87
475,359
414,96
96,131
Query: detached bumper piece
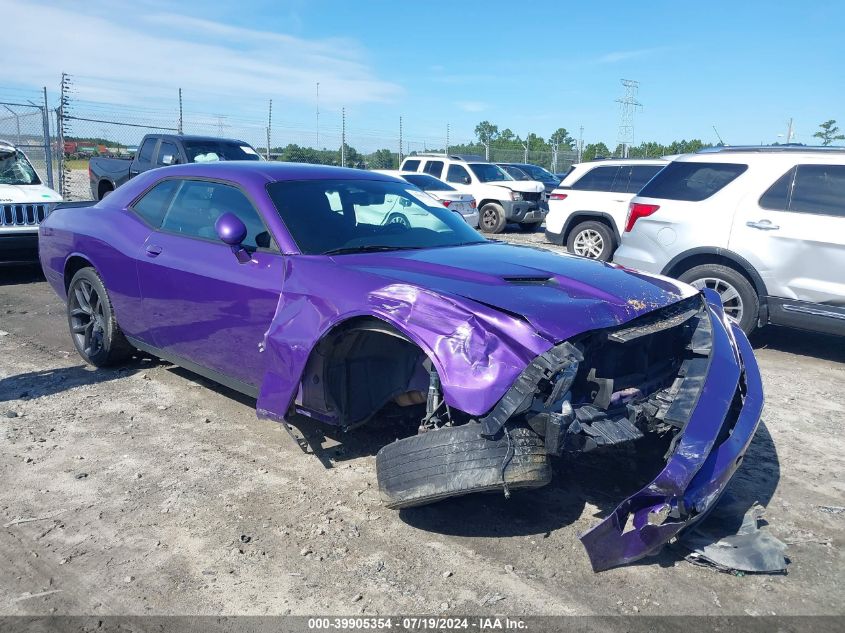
717,428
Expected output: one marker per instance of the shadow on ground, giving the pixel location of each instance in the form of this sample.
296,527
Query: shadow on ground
791,341
47,382
15,274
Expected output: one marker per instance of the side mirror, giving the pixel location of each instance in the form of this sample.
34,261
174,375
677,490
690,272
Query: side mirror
231,230
467,181
168,159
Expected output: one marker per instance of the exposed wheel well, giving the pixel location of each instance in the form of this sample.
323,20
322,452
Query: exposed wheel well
104,187
674,269
488,201
357,368
72,266
578,218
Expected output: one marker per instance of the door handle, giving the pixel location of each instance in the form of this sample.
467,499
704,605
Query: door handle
153,250
763,225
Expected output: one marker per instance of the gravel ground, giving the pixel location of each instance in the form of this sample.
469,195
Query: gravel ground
148,490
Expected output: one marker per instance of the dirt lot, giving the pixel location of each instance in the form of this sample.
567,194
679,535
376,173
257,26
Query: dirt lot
148,490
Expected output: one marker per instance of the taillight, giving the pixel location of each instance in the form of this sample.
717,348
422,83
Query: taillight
638,210
473,204
446,203
558,196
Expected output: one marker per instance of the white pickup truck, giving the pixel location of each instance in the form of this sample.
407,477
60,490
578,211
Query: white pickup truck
24,203
501,199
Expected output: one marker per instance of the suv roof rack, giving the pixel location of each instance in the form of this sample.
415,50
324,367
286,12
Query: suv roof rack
764,149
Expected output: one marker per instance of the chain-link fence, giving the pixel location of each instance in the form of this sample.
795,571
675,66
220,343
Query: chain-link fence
27,127
87,130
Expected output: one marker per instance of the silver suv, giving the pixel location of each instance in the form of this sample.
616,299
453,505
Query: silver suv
763,226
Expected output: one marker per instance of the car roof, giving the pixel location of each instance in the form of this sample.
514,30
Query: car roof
272,171
767,155
198,138
622,161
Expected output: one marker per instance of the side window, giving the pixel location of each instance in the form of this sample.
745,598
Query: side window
776,197
457,174
434,167
692,181
168,154
411,165
145,154
198,204
640,175
597,179
622,180
819,189
154,204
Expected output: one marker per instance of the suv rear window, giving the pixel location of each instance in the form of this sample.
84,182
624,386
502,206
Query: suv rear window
817,189
690,181
597,179
411,165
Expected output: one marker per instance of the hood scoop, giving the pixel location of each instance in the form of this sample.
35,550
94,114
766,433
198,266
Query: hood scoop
534,280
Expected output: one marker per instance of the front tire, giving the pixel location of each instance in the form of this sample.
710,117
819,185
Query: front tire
93,327
738,296
492,218
592,240
458,460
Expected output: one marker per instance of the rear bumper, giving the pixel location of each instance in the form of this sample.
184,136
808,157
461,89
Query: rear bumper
18,247
699,469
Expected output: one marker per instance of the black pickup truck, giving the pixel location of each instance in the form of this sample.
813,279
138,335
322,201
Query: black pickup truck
161,150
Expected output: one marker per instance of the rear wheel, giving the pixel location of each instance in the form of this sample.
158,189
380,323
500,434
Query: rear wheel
591,239
93,327
454,461
737,294
492,218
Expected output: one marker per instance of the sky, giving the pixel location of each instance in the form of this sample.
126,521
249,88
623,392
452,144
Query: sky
744,67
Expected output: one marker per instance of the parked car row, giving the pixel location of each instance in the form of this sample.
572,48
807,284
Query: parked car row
762,226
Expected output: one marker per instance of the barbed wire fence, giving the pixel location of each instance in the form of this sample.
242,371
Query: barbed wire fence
86,128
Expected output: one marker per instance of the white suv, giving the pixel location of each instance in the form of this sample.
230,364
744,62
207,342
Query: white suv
501,199
763,226
588,209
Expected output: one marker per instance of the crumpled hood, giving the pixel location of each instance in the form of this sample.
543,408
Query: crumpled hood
29,194
559,295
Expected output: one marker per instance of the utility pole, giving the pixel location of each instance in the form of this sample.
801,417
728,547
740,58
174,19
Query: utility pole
525,148
343,137
400,141
269,127
179,127
447,139
628,105
317,142
580,142
789,132
48,149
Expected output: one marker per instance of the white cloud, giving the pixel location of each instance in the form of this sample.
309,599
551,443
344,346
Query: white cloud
121,54
472,106
621,56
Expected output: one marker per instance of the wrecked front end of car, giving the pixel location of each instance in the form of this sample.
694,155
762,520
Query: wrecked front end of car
684,372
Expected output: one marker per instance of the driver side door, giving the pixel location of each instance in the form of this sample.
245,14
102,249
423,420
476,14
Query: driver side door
205,310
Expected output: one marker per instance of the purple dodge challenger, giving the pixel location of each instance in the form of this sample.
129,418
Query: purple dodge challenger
341,295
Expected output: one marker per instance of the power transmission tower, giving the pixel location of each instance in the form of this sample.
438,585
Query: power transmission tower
179,131
269,127
627,106
400,140
343,137
317,139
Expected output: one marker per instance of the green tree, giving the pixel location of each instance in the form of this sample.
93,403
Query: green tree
561,138
382,159
593,150
829,133
486,132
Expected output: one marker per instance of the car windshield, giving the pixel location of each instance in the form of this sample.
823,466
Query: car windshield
427,183
538,173
15,168
347,216
516,173
213,151
488,172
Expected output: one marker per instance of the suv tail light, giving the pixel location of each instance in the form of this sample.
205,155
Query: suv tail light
558,196
473,204
638,210
446,203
